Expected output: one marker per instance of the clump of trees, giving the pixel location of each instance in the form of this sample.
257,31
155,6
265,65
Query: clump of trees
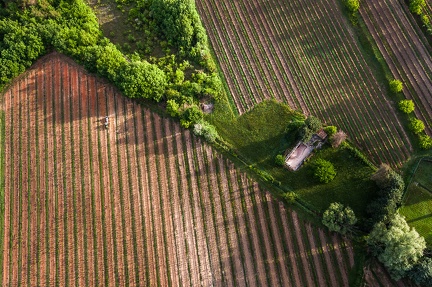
339,218
421,273
396,86
396,245
389,195
323,170
406,106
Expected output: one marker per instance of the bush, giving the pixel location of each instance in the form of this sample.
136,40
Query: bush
338,138
280,160
406,106
417,6
416,126
339,218
172,108
396,86
352,5
191,116
425,141
324,171
206,130
330,130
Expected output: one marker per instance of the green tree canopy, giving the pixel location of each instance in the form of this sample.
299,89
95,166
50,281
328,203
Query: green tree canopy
396,245
417,6
324,170
406,106
339,218
396,86
425,141
421,273
352,5
416,126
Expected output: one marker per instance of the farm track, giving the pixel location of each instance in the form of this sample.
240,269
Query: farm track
141,203
405,50
306,55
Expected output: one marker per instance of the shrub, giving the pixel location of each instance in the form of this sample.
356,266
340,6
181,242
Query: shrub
417,6
280,160
190,116
352,5
339,218
416,126
172,108
324,171
406,106
330,130
396,86
338,138
425,141
206,130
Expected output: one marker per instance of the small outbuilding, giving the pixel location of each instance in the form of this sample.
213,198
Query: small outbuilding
295,157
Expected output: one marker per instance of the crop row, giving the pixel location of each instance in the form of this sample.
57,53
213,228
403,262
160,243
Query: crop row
140,203
306,55
405,51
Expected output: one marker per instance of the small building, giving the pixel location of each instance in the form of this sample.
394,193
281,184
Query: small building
295,157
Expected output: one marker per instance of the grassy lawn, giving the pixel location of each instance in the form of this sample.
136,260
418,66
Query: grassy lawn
417,205
259,135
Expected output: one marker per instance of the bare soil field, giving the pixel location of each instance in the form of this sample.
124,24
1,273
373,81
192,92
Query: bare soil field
141,202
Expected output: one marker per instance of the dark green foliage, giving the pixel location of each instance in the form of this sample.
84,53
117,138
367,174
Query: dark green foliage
396,86
311,125
20,46
190,116
330,130
389,195
421,273
324,170
142,80
416,126
417,6
339,218
179,23
425,141
280,160
406,106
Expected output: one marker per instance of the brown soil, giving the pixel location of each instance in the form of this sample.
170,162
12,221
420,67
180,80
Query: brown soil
141,203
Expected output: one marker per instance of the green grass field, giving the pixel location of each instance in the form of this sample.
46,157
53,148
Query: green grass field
417,205
259,135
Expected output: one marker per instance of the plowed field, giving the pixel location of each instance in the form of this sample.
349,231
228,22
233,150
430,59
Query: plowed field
140,203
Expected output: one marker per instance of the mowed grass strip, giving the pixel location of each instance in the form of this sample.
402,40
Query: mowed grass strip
417,204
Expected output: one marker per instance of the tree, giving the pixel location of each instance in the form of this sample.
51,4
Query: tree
416,126
396,86
421,273
396,245
406,106
425,141
330,130
324,170
417,6
172,108
339,218
338,138
190,116
206,130
352,5
382,175
311,125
